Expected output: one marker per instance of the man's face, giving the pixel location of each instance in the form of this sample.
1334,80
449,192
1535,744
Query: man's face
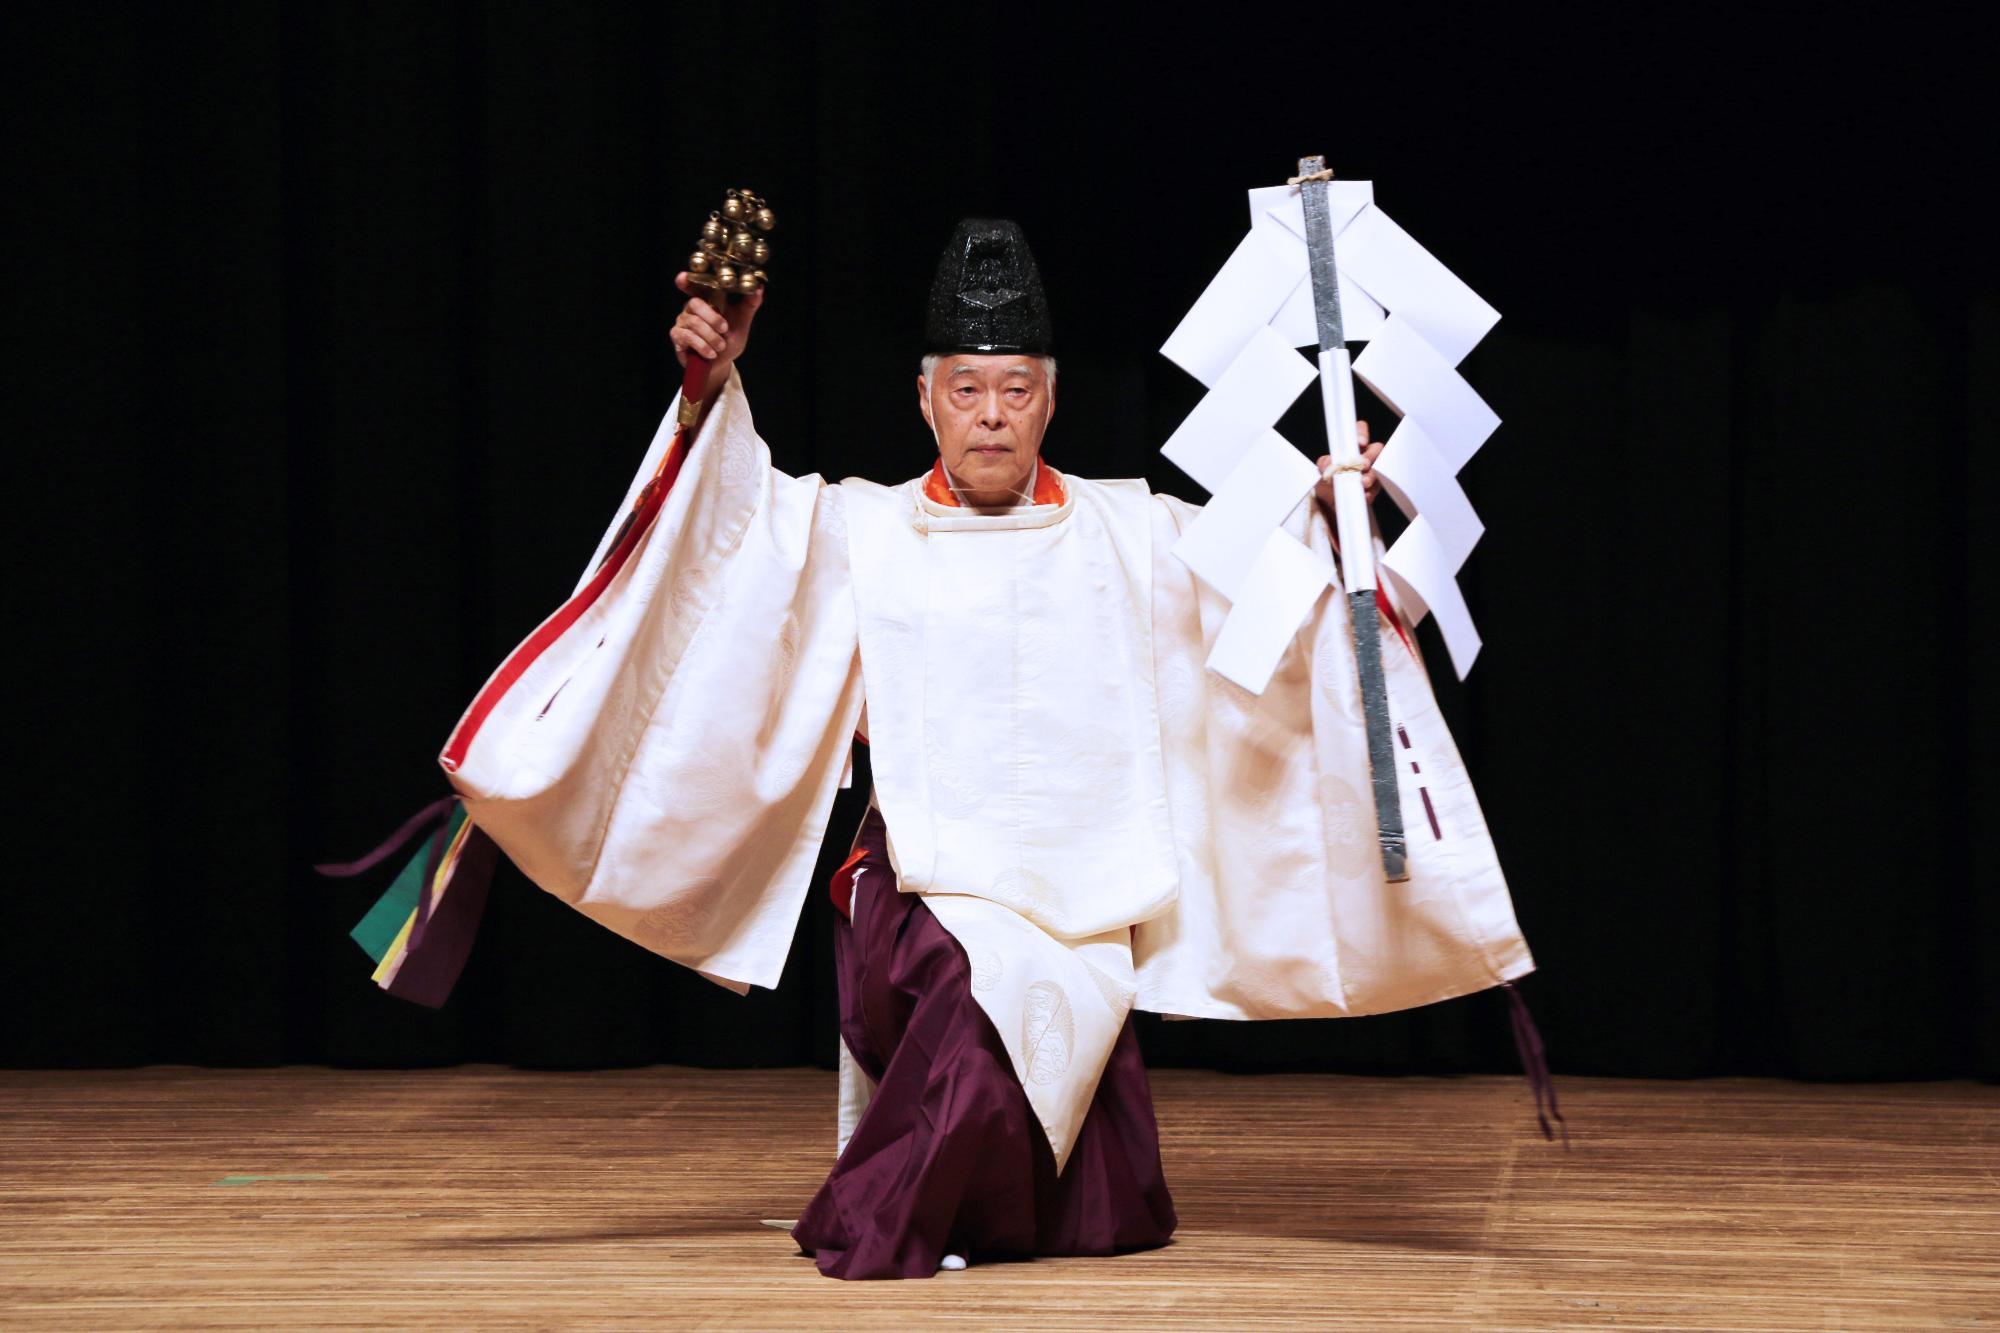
989,413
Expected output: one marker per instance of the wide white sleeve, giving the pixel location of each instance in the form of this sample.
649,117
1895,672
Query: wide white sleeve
667,763
1283,909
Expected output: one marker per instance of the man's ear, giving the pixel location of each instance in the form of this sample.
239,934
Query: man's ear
924,403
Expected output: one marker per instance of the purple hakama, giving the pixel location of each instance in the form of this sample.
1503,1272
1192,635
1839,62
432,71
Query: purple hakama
948,1158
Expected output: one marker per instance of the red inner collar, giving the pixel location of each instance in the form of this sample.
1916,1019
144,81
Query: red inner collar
1048,487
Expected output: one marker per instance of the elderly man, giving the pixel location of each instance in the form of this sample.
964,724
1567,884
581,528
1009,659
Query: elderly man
1070,817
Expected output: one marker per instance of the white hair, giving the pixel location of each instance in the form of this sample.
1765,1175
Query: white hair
929,366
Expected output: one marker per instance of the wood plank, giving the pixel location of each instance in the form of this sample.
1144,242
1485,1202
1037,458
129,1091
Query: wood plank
482,1197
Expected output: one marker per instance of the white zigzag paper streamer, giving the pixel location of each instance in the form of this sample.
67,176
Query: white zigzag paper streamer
1419,320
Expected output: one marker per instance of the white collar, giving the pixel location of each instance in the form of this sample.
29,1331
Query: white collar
930,516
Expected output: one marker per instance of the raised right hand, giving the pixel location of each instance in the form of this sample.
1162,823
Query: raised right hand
718,336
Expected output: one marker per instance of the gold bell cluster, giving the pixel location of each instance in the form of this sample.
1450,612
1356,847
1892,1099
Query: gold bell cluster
730,257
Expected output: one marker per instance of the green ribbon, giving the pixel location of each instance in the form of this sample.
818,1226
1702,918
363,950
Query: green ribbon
376,931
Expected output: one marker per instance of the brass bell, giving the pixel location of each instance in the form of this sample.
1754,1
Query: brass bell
763,219
732,208
698,262
726,276
753,280
712,230
760,253
739,244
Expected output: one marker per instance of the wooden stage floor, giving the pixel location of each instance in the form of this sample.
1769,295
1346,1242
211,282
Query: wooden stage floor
490,1198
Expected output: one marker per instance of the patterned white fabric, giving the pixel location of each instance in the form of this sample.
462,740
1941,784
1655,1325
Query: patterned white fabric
1098,821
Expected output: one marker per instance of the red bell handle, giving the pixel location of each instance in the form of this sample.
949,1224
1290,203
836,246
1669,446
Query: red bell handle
694,384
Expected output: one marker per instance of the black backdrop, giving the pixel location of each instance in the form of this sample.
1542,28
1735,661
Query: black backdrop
337,330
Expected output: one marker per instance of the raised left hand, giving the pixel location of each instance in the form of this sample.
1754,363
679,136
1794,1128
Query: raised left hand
1371,485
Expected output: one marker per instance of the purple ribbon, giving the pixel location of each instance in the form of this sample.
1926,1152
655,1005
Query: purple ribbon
435,952
438,810
1535,1062
440,942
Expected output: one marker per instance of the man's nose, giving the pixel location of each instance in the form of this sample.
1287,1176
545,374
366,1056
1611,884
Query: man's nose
990,415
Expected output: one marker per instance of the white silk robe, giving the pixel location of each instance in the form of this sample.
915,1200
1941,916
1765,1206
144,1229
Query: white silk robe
1098,820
